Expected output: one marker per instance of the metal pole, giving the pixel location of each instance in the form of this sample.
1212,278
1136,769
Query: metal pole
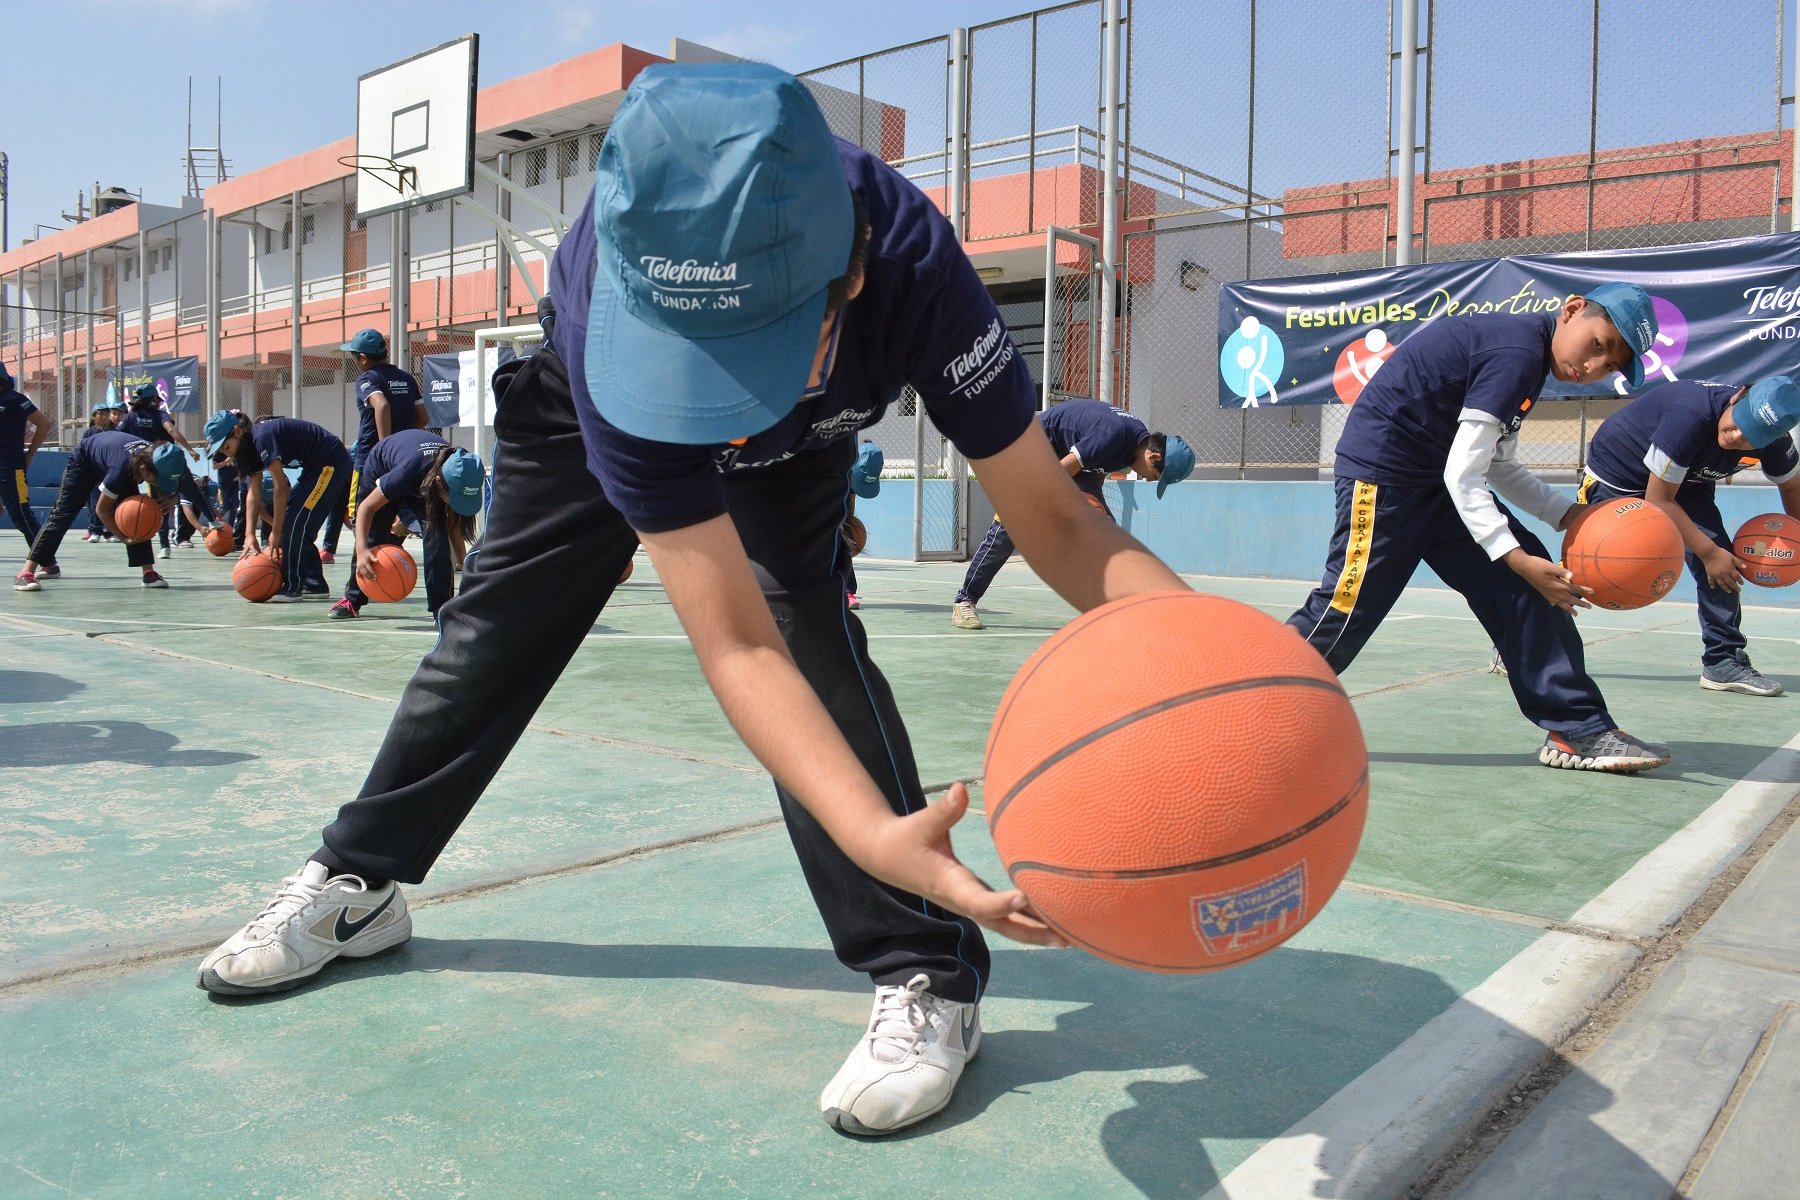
400,285
5,188
502,276
1784,46
956,196
58,309
1587,235
1109,206
143,296
294,304
1405,168
215,390
87,331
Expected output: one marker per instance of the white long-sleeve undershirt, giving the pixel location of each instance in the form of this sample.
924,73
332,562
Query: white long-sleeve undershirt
1482,459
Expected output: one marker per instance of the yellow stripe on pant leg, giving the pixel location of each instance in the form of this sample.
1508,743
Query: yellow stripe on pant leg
350,504
24,489
1587,483
319,487
1356,552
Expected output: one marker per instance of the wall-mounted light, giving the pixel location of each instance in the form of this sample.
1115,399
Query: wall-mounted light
987,274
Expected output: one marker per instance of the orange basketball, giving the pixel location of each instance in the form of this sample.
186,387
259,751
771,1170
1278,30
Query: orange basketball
1184,811
1627,550
630,565
138,517
395,575
220,541
1770,544
855,535
256,578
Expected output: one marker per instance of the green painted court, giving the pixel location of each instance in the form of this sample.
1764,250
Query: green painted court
618,985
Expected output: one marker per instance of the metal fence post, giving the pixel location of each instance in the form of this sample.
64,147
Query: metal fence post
213,229
1109,207
57,301
1406,167
294,307
400,284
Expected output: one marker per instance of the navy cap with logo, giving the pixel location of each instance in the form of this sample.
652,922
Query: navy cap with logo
169,462
218,427
1633,316
1177,464
463,478
1768,410
721,215
146,393
366,341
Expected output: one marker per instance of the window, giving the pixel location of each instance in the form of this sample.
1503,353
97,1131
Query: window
168,256
268,241
287,234
593,152
130,270
566,154
306,229
534,167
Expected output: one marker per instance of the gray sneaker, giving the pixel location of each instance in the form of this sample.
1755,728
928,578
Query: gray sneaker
1736,676
1497,665
1613,750
962,615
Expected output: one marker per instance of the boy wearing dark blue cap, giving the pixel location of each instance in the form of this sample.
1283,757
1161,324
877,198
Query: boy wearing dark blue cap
275,445
388,399
1433,431
19,416
1671,446
148,417
865,481
119,462
435,490
1093,439
105,417
741,296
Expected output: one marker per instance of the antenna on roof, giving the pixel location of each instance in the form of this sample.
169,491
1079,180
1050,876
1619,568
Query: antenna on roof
206,160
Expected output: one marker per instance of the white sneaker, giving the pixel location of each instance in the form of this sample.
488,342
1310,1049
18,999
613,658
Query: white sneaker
163,553
964,616
906,1066
312,920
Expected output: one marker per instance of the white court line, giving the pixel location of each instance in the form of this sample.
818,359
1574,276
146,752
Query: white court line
1408,1110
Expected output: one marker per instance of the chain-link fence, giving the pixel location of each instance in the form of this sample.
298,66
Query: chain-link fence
1255,139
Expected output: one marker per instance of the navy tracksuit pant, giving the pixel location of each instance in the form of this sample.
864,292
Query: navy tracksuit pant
1384,531
550,557
1721,612
15,493
77,483
997,545
319,489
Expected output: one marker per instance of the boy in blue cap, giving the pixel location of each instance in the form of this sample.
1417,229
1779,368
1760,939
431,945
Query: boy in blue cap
436,491
388,399
149,418
742,295
1093,439
119,462
19,416
276,444
1671,446
865,481
106,416
1430,434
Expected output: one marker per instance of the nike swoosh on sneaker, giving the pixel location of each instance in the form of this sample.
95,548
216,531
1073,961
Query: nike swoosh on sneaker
346,929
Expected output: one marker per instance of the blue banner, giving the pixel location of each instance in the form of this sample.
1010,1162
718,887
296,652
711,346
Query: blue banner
1727,310
450,388
177,381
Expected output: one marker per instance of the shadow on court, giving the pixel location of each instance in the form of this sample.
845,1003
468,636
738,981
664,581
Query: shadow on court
1234,1056
66,743
36,687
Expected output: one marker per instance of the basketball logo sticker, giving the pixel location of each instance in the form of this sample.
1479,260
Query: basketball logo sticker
1260,912
1358,362
1250,362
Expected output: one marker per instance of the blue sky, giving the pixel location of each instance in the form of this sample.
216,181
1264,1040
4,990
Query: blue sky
98,88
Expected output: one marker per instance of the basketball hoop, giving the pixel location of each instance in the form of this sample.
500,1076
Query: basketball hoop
393,175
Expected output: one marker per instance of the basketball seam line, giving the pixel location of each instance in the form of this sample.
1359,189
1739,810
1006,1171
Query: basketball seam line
1205,693
1204,864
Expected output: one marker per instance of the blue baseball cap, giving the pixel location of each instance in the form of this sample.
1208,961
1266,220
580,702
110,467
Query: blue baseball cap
114,402
146,391
721,214
865,476
1769,409
463,477
1633,316
218,427
1178,464
6,378
366,341
169,462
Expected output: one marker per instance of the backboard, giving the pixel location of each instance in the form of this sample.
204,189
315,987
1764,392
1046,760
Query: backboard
415,129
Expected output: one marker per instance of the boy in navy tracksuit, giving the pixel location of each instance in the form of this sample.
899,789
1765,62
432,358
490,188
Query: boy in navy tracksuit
1093,439
1432,432
149,418
434,489
104,419
1671,446
273,444
388,400
742,296
17,415
118,462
